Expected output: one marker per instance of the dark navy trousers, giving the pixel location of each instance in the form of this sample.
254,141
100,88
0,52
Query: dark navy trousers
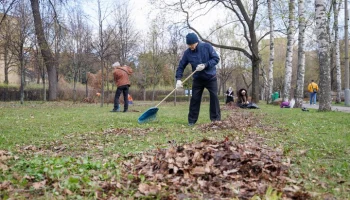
125,90
195,103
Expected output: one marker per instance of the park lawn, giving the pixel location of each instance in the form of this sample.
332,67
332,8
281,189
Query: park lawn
75,144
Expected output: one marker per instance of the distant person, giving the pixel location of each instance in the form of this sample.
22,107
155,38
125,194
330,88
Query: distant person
121,78
229,95
204,59
313,89
242,98
285,104
130,100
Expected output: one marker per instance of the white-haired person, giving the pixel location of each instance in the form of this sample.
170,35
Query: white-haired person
229,95
121,78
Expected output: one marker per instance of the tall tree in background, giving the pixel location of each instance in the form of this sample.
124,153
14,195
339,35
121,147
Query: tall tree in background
336,8
76,47
6,36
157,57
174,52
272,52
46,53
323,56
6,7
103,46
21,40
226,66
101,50
299,89
289,53
125,35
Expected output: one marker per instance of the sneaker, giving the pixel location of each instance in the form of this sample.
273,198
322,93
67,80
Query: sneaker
190,124
125,111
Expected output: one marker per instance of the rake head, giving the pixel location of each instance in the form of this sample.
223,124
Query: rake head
149,115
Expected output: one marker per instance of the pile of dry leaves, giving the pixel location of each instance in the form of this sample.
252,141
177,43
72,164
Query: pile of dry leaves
210,170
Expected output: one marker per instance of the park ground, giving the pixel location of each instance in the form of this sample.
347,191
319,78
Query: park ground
60,150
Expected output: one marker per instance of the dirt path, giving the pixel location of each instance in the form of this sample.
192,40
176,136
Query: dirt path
334,108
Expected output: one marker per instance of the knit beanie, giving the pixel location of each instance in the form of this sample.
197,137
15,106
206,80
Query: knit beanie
191,38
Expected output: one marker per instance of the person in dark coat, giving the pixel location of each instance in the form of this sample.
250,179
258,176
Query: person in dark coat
242,98
203,59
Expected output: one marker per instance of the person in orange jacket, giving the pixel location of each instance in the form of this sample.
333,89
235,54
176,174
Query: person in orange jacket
313,89
121,78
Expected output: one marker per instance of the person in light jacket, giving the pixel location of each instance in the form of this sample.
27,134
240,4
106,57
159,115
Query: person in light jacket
229,95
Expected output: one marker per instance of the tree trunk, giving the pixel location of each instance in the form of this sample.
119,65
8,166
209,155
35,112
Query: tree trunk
323,55
86,85
255,82
75,84
289,54
299,90
272,54
45,51
22,82
101,46
336,7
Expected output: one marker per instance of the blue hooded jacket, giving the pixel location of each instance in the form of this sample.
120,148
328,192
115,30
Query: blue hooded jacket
203,54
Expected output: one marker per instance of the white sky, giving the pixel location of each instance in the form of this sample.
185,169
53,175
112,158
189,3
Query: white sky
139,11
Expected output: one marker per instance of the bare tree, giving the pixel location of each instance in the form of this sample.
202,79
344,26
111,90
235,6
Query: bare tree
6,8
272,52
323,55
21,38
6,36
289,53
77,48
156,57
103,46
299,90
125,35
336,7
174,51
227,65
46,52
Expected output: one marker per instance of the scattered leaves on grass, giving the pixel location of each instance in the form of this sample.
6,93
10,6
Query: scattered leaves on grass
241,121
4,155
76,143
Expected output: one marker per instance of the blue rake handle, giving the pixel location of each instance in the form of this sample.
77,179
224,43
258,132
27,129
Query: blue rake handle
175,88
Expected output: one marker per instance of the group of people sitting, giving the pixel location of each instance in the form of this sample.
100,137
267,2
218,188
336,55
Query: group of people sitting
242,98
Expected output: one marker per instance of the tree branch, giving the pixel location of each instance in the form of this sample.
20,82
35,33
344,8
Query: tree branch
246,53
6,11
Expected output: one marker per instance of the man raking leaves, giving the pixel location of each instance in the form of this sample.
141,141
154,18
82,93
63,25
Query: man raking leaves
203,60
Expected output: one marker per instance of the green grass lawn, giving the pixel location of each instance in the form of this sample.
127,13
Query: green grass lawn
72,145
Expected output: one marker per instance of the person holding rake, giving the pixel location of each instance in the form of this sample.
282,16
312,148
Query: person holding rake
203,59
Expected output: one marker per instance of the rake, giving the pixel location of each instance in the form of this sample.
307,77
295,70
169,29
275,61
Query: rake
151,113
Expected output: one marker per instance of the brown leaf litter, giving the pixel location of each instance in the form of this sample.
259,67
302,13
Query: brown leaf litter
210,170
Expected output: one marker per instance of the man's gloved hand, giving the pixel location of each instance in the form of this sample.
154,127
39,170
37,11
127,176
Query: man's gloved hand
200,67
179,84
